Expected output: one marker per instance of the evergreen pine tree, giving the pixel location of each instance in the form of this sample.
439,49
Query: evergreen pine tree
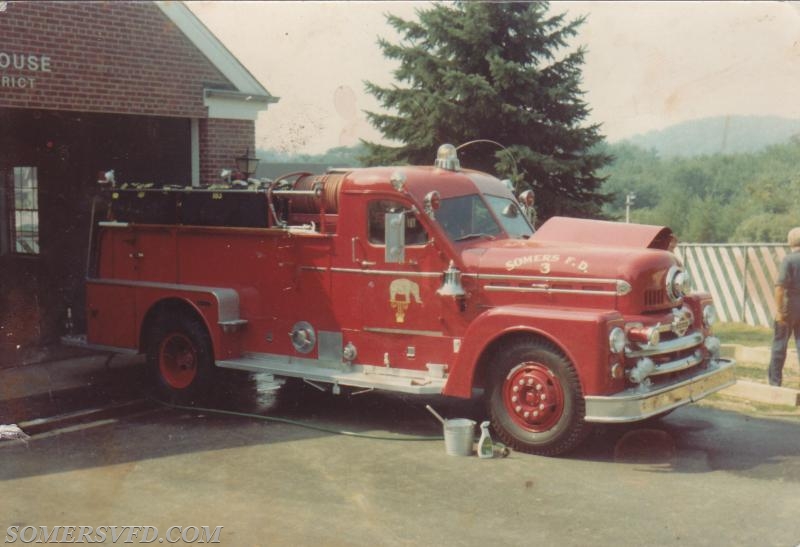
495,71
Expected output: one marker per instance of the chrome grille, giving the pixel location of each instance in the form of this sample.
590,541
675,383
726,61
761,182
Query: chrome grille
655,297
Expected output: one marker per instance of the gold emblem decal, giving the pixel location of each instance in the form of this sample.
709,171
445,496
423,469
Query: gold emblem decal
401,291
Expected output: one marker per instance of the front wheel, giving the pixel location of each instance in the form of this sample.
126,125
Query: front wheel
535,400
180,358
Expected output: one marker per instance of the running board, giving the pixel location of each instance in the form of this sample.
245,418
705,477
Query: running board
81,341
361,376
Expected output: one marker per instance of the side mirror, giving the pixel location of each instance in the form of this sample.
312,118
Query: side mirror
395,237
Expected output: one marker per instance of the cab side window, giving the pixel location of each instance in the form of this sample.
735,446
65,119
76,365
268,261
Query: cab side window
376,211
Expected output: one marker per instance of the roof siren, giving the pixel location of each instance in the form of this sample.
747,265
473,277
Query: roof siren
447,158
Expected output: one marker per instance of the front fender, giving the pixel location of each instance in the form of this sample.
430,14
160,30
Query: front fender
581,334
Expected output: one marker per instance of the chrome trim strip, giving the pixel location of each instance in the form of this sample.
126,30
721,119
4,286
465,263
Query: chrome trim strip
542,278
670,346
113,224
227,299
380,272
548,290
677,365
636,404
431,333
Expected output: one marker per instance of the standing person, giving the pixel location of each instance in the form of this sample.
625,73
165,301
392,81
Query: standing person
787,302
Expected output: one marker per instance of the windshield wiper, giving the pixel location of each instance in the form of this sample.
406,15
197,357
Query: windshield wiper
473,236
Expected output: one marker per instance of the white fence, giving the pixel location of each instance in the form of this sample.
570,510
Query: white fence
740,277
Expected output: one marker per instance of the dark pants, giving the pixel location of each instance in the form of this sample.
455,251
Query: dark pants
779,345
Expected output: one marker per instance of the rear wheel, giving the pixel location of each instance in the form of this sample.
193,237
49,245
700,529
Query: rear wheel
535,399
180,358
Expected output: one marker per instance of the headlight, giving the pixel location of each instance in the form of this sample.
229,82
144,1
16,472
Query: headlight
616,340
678,283
709,315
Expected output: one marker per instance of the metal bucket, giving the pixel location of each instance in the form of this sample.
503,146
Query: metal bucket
459,434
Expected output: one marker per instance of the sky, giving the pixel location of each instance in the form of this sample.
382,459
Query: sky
648,65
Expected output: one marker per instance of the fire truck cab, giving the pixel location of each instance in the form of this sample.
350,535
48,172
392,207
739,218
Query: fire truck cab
421,280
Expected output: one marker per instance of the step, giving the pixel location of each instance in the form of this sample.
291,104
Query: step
763,393
340,374
758,354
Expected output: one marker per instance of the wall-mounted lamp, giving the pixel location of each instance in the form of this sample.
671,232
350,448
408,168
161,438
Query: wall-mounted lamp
247,164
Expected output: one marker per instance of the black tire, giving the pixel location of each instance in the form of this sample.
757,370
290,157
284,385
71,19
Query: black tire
535,399
180,358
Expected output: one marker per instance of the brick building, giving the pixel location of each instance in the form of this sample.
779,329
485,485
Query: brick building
139,87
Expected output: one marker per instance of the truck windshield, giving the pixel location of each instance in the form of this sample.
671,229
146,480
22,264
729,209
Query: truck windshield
467,217
514,221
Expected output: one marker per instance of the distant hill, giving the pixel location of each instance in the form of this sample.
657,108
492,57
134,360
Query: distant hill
720,135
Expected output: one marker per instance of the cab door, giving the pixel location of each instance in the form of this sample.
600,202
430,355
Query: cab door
400,311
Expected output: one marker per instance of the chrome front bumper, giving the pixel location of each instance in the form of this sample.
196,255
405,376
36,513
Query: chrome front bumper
640,403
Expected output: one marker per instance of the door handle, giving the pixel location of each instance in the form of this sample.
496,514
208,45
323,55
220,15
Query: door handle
353,249
138,255
361,262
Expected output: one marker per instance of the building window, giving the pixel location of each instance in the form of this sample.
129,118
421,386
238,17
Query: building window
22,203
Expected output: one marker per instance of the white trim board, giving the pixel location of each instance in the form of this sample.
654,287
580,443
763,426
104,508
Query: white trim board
215,51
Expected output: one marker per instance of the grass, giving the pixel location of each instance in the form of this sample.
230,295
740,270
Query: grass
745,335
752,372
757,372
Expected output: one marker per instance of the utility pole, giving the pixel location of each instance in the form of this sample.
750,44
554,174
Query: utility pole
629,199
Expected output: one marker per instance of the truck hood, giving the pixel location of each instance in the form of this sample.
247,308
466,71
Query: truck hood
600,232
576,248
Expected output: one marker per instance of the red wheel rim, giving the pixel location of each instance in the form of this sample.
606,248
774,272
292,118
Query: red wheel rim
177,360
533,397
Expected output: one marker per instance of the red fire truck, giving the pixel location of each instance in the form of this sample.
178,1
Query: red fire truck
420,280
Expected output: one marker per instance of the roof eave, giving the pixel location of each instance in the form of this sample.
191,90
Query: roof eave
241,96
214,50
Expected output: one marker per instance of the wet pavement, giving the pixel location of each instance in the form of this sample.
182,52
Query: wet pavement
65,386
701,476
